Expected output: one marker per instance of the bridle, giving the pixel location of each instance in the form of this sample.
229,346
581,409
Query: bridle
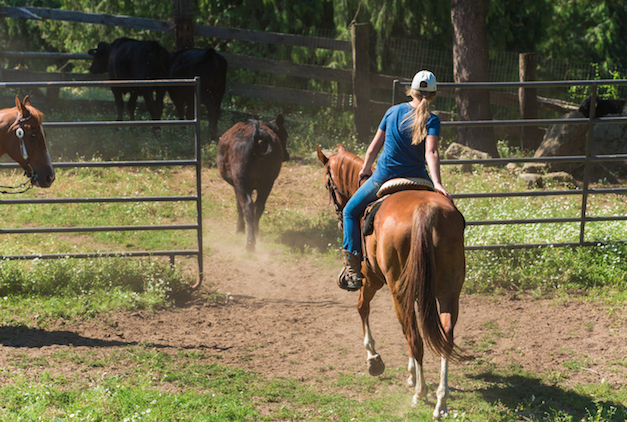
334,192
28,169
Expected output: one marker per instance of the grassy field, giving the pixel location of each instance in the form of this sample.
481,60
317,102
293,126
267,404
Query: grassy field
157,385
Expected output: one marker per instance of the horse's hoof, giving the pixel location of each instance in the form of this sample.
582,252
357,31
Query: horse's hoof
375,366
439,414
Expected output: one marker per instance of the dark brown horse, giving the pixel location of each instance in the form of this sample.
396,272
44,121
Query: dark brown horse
417,248
249,159
22,136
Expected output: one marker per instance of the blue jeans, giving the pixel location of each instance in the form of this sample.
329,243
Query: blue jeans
352,213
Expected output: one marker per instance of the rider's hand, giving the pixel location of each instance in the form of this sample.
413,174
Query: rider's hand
364,173
439,188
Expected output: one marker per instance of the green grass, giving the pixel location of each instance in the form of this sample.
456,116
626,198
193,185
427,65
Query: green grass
157,385
38,293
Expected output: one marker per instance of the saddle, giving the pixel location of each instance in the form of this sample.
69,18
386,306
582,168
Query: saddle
388,188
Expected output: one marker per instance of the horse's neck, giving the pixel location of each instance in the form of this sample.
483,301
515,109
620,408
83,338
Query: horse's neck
352,165
7,118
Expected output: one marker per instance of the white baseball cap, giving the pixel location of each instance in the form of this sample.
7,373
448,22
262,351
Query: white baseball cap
424,81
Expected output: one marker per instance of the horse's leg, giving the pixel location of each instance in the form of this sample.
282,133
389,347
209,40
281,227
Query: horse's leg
119,102
449,310
241,227
213,111
260,204
414,367
369,289
159,95
151,103
132,104
443,392
245,200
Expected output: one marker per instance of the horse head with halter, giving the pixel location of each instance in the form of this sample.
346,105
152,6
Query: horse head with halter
25,142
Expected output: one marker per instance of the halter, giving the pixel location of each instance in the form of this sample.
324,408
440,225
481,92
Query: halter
28,171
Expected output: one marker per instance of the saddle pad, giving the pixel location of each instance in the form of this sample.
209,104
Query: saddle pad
368,218
404,183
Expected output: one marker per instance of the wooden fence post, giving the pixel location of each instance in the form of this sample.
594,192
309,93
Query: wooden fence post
530,136
183,11
361,80
1,80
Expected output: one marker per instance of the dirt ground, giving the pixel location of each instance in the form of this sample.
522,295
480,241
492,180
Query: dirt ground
288,318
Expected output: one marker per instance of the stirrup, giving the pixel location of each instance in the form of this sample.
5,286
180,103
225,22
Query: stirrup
349,284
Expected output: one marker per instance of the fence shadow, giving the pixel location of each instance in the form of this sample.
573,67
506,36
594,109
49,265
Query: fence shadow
532,398
22,337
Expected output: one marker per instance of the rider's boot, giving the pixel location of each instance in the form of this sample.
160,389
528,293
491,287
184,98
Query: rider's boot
350,278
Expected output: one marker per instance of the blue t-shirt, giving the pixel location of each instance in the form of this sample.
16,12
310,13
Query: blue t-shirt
399,158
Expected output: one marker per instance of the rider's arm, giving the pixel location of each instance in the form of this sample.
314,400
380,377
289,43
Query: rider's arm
372,152
432,156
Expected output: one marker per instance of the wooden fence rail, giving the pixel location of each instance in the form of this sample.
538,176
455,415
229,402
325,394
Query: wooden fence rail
358,100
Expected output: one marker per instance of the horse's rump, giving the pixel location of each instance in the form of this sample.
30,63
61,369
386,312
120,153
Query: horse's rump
418,239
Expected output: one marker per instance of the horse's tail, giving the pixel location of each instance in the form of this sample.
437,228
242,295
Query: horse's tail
417,285
262,141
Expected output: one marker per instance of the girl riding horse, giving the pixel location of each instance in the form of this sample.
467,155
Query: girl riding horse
409,136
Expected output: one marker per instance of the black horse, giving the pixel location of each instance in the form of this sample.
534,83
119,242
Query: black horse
603,108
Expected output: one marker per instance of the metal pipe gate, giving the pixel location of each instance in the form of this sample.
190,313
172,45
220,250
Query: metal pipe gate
196,162
587,159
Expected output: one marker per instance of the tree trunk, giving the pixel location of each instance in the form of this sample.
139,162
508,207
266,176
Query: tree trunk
530,136
470,64
183,11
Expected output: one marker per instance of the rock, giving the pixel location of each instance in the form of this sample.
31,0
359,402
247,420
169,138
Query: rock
457,151
535,168
533,180
564,139
569,140
513,168
560,177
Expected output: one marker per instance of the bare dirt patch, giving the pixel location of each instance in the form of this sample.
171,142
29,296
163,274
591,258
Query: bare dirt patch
287,318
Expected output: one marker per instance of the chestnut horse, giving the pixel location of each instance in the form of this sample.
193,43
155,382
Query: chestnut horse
22,136
417,248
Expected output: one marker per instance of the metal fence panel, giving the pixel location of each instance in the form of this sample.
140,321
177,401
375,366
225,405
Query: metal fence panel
196,162
588,159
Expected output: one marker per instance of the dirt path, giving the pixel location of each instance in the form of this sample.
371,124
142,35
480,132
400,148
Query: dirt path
287,317
290,319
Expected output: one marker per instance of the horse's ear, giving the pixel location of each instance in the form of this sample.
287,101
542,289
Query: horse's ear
27,101
323,158
21,108
280,121
341,148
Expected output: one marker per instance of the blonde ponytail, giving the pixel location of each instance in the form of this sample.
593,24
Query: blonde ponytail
419,115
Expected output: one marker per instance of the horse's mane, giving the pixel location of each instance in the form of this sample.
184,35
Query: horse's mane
346,166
